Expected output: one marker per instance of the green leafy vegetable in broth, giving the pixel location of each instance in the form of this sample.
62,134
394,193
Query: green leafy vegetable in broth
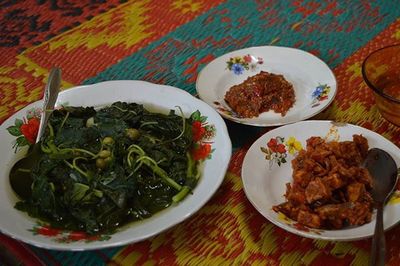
99,169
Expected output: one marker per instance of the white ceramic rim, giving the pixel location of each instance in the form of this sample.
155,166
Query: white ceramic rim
93,93
203,76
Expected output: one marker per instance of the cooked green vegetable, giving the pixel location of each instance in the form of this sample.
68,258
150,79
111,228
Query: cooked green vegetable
100,169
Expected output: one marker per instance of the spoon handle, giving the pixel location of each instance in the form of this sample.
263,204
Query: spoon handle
378,248
50,98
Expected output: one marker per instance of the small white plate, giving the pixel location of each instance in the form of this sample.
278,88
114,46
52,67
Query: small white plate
264,180
313,81
19,225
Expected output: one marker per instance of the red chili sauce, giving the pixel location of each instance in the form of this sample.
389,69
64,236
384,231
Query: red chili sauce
261,93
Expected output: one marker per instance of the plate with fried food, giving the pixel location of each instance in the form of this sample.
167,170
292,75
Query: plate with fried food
267,85
308,178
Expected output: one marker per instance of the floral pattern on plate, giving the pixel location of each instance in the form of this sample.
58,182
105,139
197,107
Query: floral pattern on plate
25,130
239,64
320,94
65,236
202,133
277,149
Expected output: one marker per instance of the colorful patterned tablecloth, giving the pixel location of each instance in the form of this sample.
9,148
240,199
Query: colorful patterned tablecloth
169,42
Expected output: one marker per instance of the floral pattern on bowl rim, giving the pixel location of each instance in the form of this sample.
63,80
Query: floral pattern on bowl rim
277,149
238,64
320,94
66,236
25,130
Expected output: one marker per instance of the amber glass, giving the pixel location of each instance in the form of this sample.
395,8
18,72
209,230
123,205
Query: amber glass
381,71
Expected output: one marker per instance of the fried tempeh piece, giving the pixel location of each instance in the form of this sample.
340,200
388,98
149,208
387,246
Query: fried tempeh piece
329,188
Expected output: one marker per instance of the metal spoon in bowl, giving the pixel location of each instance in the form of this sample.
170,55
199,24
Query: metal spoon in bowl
383,171
20,179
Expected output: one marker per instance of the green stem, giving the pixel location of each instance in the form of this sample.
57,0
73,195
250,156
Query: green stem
162,160
137,149
63,122
134,149
80,150
147,123
51,129
152,164
123,110
52,146
181,194
137,167
183,124
189,170
128,158
72,166
183,127
76,159
24,170
45,148
160,172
